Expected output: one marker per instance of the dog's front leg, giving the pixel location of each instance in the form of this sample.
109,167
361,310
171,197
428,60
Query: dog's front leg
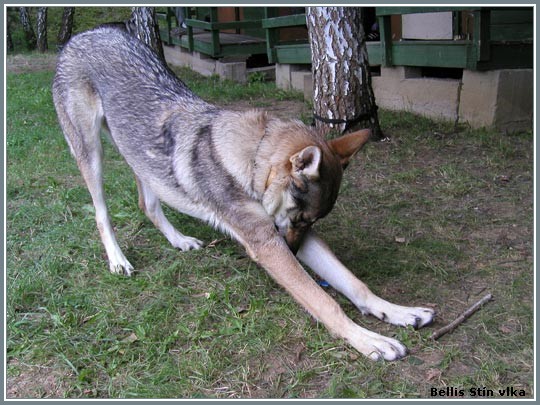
276,258
318,256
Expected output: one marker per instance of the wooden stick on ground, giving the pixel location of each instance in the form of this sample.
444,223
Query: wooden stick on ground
460,319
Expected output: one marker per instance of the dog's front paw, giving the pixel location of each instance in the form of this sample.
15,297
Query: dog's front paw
185,243
377,347
417,317
405,316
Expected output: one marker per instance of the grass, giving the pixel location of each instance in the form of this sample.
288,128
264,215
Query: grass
216,90
433,217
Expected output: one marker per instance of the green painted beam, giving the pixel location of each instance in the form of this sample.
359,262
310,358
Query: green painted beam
381,11
293,54
452,54
207,48
285,21
374,53
246,24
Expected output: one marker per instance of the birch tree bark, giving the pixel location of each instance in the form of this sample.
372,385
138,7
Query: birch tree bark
343,96
29,35
42,29
64,34
143,25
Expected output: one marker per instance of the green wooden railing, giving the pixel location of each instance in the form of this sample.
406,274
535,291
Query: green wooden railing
502,38
213,46
295,52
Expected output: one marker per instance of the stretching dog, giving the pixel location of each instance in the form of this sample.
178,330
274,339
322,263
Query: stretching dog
262,180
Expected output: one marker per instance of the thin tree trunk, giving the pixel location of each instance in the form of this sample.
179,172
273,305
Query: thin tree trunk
343,96
42,30
29,35
143,25
9,41
64,34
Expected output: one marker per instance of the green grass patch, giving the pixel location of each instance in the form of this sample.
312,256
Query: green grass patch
216,90
433,217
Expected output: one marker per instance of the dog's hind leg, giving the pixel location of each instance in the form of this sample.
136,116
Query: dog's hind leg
151,206
81,122
318,256
118,263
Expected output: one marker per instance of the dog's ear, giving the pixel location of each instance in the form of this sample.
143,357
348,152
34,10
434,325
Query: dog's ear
307,162
347,145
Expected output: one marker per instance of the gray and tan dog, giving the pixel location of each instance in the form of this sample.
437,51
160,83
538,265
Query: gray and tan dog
261,180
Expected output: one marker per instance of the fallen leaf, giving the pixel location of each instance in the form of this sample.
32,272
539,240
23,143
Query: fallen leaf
130,339
298,352
433,373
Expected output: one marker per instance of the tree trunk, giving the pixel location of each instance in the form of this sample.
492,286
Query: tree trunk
342,92
143,25
67,26
29,35
9,41
42,29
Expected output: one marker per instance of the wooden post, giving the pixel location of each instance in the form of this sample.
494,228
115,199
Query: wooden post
216,47
385,28
272,35
481,36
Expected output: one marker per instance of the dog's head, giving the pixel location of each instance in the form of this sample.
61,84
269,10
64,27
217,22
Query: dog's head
305,188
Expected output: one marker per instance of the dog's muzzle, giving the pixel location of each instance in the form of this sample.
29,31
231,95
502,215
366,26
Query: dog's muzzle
294,238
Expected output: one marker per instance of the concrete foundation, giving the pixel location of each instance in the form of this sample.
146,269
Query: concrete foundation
291,77
500,99
403,88
503,99
231,68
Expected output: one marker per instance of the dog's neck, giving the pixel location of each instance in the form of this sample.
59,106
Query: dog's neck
262,169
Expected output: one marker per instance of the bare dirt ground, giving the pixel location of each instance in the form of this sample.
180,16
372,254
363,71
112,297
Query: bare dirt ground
35,63
36,382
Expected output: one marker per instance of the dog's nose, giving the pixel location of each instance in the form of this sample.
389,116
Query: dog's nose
294,237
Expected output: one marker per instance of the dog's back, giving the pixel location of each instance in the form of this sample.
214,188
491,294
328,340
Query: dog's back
107,76
110,58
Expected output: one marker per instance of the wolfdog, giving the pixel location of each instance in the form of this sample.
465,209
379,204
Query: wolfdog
262,180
